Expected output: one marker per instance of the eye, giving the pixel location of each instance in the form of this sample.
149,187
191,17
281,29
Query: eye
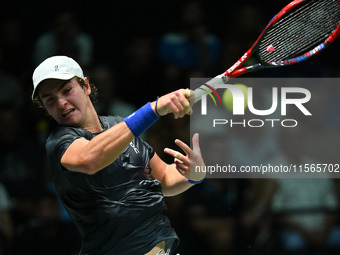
49,100
67,90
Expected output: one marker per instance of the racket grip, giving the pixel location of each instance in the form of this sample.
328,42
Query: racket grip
200,91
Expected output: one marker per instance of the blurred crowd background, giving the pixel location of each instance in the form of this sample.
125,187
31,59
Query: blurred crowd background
134,51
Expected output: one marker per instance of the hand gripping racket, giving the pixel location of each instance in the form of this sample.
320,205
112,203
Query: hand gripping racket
302,29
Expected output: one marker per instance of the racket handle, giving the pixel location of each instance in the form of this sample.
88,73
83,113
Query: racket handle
200,91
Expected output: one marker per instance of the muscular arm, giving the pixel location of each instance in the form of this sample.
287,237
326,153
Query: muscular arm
91,156
174,177
173,182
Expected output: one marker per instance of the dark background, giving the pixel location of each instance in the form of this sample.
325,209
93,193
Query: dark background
211,218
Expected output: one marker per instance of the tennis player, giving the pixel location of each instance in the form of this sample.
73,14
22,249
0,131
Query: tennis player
110,181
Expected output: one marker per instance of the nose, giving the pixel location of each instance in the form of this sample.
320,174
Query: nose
61,102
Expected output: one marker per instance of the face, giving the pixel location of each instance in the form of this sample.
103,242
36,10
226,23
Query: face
66,101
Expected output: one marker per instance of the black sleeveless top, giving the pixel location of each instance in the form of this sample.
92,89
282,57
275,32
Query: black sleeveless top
118,210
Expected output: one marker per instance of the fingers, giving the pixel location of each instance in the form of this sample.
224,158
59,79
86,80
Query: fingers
183,146
187,93
180,107
183,168
176,154
186,148
182,162
177,102
195,143
181,102
186,164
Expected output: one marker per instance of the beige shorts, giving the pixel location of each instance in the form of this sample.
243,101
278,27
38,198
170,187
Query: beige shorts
159,249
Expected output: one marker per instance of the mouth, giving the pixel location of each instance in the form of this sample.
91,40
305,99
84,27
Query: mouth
66,113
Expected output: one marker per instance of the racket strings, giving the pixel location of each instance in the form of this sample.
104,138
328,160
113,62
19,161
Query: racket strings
297,29
300,31
315,34
289,46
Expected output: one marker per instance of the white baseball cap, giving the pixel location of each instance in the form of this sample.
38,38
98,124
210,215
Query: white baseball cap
57,67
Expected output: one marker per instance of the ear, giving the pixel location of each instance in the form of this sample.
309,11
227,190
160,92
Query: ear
87,87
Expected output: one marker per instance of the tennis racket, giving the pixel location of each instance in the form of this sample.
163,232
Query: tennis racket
302,29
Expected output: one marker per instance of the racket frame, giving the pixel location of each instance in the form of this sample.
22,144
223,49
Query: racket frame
232,73
236,69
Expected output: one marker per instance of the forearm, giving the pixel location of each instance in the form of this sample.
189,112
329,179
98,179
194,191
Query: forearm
173,182
92,156
182,174
107,146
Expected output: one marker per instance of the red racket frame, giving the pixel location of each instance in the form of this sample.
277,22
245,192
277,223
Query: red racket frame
233,72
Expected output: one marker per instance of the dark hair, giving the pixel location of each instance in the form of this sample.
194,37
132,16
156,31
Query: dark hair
94,91
93,96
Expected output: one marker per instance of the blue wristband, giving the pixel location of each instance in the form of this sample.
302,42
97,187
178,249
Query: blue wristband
197,182
141,120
